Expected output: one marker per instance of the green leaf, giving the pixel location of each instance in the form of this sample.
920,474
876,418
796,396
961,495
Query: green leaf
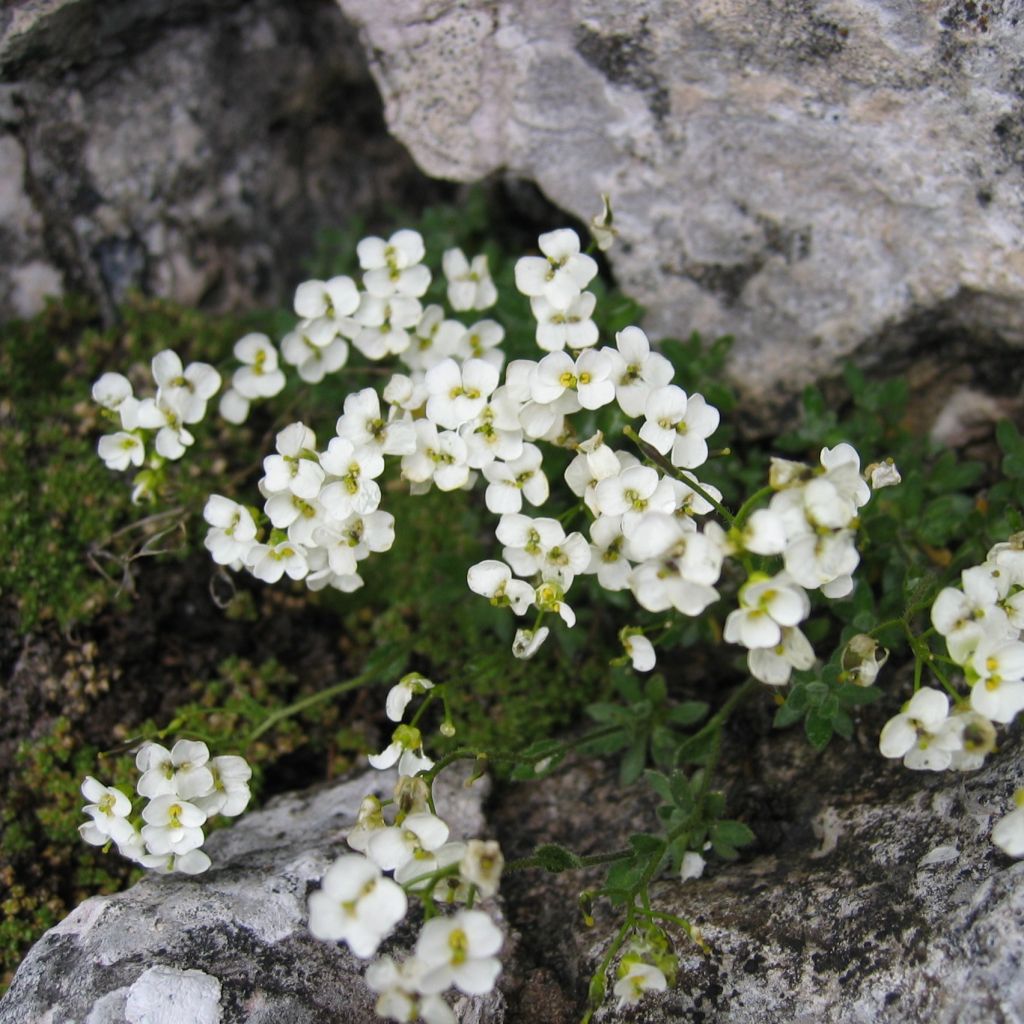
656,690
688,713
696,749
943,518
555,858
632,764
818,728
735,833
851,696
608,713
647,845
660,784
842,724
787,715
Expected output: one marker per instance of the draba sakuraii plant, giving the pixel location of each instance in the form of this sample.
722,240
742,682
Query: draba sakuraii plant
596,432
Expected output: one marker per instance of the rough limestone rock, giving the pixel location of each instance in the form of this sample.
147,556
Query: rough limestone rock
818,179
192,149
232,945
873,895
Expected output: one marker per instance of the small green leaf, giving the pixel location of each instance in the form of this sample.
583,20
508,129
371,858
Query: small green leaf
632,764
818,728
735,833
851,696
688,713
555,858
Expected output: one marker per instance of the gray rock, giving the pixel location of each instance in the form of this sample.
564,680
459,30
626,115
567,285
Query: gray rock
232,945
820,180
191,149
874,895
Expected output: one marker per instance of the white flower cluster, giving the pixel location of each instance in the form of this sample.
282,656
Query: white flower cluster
180,402
322,505
184,788
359,905
981,622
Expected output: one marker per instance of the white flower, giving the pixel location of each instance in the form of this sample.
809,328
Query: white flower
917,734
638,979
766,606
493,579
230,794
333,299
481,341
403,691
113,391
259,376
481,865
269,562
187,389
528,641
457,393
570,327
361,423
399,999
396,845
180,771
405,750
602,230
172,436
883,474
607,559
998,692
774,665
353,471
314,361
469,284
394,267
679,426
439,457
459,950
108,810
356,904
1008,833
192,862
510,482
173,825
561,274
637,370
692,866
550,597
639,649
233,530
295,468
121,450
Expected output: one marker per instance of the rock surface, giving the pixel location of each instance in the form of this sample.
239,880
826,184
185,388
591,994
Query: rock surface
192,149
819,180
874,895
231,945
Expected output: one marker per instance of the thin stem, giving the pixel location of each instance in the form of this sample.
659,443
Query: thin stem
307,702
748,505
653,455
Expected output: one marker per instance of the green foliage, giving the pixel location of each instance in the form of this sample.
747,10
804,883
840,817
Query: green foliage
60,507
646,725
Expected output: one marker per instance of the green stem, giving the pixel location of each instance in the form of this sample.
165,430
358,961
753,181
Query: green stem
747,506
307,702
602,968
590,861
653,455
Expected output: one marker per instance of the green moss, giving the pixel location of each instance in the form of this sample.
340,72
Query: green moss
60,507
